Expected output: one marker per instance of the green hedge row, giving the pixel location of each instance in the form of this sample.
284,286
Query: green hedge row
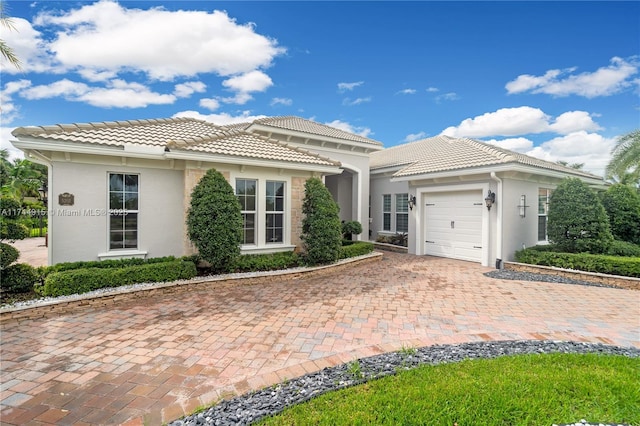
102,264
265,262
615,265
356,249
76,281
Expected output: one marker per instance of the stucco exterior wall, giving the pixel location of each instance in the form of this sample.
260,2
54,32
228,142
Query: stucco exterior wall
80,232
381,185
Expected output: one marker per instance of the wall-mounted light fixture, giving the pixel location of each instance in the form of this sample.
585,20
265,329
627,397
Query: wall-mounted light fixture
490,199
523,205
412,201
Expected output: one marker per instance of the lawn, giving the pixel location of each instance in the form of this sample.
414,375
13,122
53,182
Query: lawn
512,390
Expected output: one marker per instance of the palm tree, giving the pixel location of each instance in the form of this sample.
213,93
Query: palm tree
625,158
5,50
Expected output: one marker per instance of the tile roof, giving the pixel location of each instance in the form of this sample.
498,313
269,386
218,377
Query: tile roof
186,134
313,128
444,153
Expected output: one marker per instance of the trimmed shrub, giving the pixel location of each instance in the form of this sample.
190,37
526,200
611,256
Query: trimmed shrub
624,248
8,255
10,208
19,278
321,227
78,281
622,204
351,228
214,221
615,265
103,264
266,262
11,230
578,222
356,249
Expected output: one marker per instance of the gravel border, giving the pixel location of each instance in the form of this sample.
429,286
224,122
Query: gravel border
505,274
254,406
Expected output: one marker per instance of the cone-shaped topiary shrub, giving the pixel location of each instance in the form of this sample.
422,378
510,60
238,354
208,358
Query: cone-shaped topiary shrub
214,221
321,227
578,222
622,204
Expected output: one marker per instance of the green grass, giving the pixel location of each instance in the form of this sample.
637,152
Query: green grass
517,390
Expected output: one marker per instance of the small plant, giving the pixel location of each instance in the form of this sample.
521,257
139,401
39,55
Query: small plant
351,228
408,350
353,368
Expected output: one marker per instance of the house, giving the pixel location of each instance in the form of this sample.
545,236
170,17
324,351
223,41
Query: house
122,189
464,199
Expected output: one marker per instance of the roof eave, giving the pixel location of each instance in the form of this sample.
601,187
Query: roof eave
249,161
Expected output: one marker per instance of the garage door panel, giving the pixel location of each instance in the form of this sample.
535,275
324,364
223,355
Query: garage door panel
463,240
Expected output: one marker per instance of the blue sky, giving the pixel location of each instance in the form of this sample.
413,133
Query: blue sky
556,80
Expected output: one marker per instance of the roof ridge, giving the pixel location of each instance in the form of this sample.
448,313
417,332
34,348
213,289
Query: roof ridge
503,155
72,127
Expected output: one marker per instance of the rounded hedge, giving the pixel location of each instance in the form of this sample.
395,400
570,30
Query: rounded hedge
321,226
578,222
622,204
8,255
19,278
214,221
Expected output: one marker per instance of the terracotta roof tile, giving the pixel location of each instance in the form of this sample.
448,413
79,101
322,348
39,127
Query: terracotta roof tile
443,153
311,127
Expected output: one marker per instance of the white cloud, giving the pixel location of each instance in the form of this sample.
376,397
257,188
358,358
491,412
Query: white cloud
8,108
163,44
357,101
254,81
406,92
605,81
521,144
210,104
343,87
432,89
281,101
451,96
574,121
66,88
415,136
357,130
30,48
5,137
184,90
504,122
592,149
222,118
117,93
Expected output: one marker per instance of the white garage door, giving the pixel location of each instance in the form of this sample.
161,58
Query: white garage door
453,225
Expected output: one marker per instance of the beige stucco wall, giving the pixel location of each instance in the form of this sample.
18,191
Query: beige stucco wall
80,232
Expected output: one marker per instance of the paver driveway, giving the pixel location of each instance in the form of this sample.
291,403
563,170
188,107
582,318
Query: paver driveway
156,360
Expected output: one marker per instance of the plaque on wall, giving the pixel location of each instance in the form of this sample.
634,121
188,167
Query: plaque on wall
65,199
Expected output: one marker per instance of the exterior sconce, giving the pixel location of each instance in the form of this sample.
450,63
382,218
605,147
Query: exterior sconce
412,201
490,199
523,205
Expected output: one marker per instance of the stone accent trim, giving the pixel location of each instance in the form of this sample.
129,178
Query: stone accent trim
297,198
628,283
113,298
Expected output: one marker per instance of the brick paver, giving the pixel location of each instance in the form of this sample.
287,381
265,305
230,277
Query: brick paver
153,361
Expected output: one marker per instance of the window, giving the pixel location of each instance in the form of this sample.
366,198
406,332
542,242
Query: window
543,209
386,212
402,213
246,192
274,212
123,211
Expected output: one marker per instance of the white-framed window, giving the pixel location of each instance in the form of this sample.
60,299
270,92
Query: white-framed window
386,212
402,213
246,190
123,210
274,206
543,210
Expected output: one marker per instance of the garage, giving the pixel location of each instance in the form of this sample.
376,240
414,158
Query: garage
453,224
